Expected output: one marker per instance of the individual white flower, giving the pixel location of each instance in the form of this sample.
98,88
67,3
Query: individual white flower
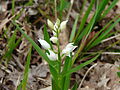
50,24
44,44
68,49
54,39
63,25
52,56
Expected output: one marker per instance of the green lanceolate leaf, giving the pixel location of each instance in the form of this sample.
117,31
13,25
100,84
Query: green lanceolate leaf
66,79
46,36
81,66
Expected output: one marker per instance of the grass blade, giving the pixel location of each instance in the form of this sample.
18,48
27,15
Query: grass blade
26,72
101,8
74,29
75,86
11,46
98,34
13,7
118,73
85,18
94,19
109,8
63,5
101,37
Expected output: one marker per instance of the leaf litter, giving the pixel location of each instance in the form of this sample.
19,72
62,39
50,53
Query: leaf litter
102,77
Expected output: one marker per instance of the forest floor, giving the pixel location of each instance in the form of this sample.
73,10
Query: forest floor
103,76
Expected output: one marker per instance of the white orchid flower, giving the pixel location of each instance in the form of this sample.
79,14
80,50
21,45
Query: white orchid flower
52,56
63,25
50,24
68,49
54,39
44,44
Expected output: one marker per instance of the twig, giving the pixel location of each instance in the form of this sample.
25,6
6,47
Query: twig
5,21
86,74
55,9
17,83
110,38
112,53
18,62
68,15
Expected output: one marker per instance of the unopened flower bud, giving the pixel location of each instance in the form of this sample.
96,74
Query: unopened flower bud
50,24
44,44
54,39
63,25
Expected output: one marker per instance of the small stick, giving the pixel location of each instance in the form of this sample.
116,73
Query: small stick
55,9
112,53
68,15
18,81
110,38
86,74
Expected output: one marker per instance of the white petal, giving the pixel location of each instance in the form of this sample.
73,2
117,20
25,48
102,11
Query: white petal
44,44
63,25
52,56
54,39
68,49
50,24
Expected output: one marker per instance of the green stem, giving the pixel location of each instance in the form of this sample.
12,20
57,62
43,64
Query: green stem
58,46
